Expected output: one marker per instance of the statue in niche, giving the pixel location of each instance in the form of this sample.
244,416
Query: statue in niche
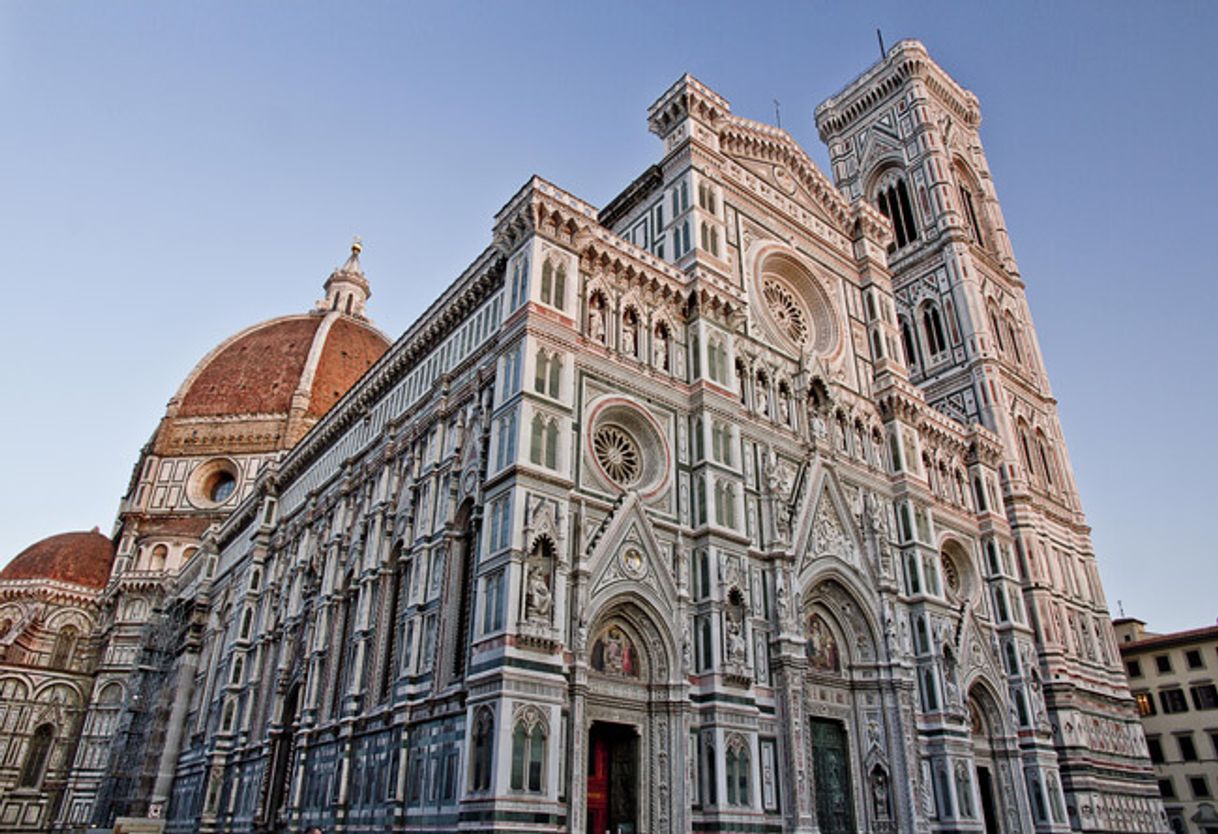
822,646
879,793
735,639
613,653
784,406
820,429
760,395
629,334
659,348
596,319
949,677
964,789
734,626
539,600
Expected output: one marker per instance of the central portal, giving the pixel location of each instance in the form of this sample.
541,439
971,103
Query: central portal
613,778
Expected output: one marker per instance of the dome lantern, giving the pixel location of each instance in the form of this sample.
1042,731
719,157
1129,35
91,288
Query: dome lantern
347,289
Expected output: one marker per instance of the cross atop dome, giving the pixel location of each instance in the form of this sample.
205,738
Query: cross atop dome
347,289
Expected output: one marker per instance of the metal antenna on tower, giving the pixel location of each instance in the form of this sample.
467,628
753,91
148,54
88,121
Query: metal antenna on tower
880,37
778,112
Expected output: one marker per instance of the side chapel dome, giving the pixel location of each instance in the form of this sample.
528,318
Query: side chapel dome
82,558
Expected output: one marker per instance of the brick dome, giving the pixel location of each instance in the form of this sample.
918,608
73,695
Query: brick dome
82,558
264,388
307,361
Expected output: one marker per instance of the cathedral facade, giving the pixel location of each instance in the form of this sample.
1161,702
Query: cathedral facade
740,504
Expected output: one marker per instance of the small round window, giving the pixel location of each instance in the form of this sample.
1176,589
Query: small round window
213,483
220,487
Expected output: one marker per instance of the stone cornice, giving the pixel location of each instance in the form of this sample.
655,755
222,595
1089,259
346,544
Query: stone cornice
545,209
906,61
474,286
50,590
687,97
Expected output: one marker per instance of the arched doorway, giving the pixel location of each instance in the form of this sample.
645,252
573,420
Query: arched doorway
985,726
846,745
630,721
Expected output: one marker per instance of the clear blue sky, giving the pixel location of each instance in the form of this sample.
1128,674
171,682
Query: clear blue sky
172,172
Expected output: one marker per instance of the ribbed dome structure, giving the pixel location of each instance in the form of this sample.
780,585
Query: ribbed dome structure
307,361
263,388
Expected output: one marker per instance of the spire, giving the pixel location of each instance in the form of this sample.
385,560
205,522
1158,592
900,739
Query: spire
347,288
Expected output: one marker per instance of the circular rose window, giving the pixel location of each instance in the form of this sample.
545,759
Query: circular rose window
793,305
627,447
787,312
618,454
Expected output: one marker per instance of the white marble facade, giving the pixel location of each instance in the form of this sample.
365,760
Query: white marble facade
740,504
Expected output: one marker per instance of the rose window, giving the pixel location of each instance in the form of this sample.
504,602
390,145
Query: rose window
785,310
950,575
618,454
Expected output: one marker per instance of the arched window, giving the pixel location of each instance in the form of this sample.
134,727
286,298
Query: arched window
721,442
159,555
537,439
541,371
932,325
520,284
1047,460
1026,449
528,755
997,331
716,360
1013,335
64,648
970,213
551,459
484,748
737,772
553,284
38,755
555,375
893,202
725,504
543,441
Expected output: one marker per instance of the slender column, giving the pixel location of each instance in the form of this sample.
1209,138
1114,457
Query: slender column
183,687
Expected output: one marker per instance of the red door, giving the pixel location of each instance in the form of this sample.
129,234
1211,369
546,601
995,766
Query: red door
598,784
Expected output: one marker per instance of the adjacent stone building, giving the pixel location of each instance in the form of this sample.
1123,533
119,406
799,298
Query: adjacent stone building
739,504
1174,679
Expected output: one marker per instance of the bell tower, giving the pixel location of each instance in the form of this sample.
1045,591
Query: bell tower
905,137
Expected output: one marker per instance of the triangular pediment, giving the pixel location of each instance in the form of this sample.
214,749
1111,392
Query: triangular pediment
877,143
778,161
826,529
779,177
627,558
